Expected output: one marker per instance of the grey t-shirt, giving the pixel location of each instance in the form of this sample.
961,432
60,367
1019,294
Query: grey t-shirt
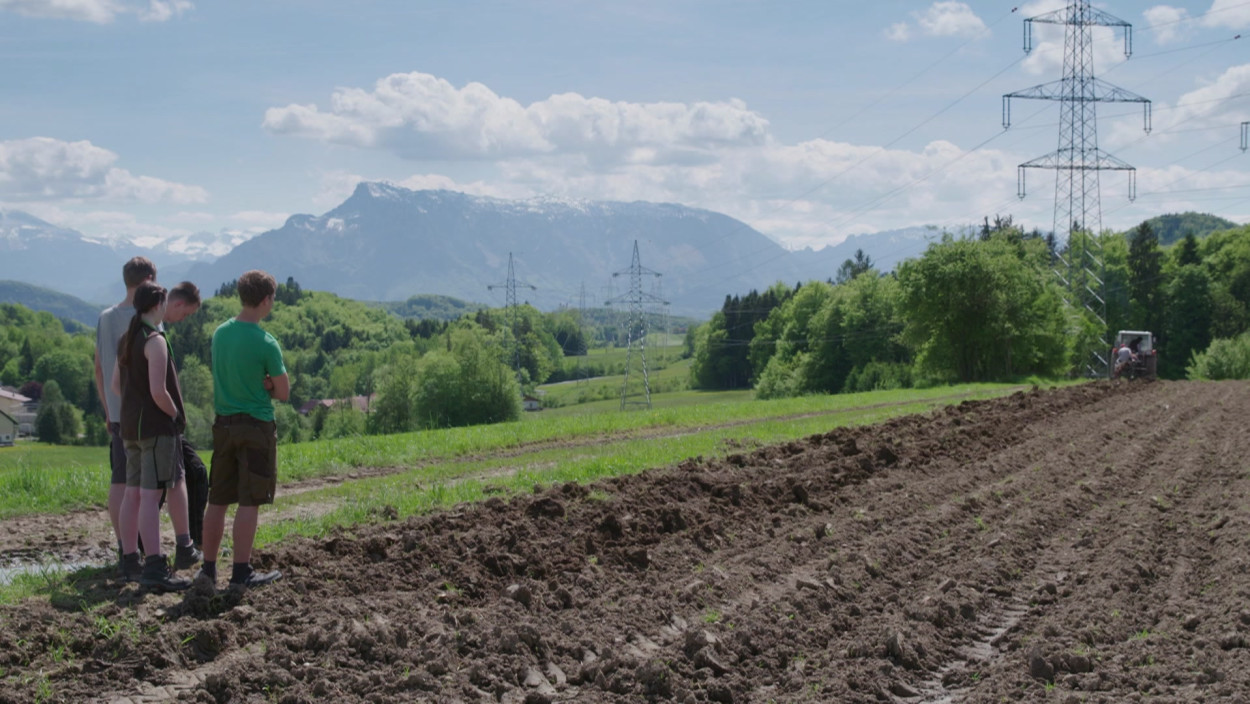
108,332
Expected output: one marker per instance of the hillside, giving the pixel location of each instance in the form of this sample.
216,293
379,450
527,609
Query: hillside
1172,227
62,305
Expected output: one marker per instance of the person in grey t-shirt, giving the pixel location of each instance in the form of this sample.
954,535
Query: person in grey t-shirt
109,331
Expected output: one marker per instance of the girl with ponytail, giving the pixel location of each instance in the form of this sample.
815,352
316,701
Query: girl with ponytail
152,420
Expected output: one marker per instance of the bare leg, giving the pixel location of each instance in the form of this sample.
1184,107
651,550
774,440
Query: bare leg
214,527
245,520
128,520
177,506
150,520
117,493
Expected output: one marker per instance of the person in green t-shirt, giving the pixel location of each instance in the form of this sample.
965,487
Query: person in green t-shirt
248,375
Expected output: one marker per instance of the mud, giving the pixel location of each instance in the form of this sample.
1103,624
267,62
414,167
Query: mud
1085,544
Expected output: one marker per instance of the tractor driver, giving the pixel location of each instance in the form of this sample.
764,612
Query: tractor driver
1123,357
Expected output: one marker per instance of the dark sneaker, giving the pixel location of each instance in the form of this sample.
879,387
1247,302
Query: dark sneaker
186,557
255,579
157,575
132,567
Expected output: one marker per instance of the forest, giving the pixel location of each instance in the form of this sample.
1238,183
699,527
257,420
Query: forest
990,306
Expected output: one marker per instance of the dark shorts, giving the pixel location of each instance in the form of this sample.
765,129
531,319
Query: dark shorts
117,454
154,463
245,461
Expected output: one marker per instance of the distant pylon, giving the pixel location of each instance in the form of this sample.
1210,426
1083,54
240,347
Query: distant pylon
582,347
636,331
1078,159
1245,136
510,287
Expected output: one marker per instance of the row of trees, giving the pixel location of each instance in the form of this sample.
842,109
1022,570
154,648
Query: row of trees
425,373
977,308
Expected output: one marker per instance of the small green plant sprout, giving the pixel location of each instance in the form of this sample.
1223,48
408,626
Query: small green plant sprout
1143,634
711,616
980,522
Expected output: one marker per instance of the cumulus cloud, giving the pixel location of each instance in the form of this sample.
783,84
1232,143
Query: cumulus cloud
419,116
1233,14
1166,21
45,169
164,10
1212,103
98,11
945,18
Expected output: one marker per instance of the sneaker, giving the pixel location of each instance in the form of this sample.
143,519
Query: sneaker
186,557
157,575
255,579
131,567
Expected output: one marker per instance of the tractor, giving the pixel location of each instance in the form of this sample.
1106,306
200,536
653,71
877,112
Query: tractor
1144,360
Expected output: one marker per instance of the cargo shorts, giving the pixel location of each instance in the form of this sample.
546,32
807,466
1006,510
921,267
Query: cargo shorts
154,463
245,461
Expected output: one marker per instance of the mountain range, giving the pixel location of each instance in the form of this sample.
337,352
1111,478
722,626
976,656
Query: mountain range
386,243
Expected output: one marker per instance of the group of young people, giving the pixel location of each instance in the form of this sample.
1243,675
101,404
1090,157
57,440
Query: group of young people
152,463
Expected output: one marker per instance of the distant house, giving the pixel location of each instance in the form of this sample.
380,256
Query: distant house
530,403
8,429
11,401
19,408
360,403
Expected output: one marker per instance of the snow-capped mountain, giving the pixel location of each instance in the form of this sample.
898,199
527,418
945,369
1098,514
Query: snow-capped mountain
388,243
37,252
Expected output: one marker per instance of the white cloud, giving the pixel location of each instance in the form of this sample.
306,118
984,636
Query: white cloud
98,11
1167,22
898,32
1211,103
164,10
944,18
950,19
419,116
1233,14
45,169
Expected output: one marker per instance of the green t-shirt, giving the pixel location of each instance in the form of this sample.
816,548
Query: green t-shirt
243,354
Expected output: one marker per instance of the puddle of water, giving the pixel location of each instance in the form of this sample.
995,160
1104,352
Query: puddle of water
10,572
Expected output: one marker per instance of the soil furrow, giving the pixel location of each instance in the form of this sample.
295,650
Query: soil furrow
1086,544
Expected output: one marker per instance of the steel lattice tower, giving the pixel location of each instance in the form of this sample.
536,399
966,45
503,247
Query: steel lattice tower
510,287
582,346
637,333
1077,161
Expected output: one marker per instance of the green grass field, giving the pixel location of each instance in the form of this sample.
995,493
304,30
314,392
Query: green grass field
36,478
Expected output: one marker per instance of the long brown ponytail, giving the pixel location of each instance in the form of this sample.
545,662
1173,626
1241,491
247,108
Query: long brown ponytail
149,295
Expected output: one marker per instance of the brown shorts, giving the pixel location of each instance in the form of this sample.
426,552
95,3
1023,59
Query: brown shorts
245,461
154,463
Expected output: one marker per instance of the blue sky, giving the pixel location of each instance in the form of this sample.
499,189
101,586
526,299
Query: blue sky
809,120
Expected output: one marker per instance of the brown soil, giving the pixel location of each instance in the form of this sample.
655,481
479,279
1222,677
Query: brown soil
1085,544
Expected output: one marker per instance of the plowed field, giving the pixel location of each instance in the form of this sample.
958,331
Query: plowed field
1084,544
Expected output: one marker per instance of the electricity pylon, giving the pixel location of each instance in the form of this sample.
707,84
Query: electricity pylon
1077,161
636,356
582,345
510,287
